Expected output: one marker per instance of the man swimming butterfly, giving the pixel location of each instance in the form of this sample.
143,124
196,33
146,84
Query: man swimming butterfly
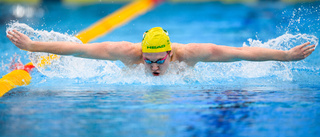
156,51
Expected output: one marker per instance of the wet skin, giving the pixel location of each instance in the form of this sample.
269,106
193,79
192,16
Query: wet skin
155,68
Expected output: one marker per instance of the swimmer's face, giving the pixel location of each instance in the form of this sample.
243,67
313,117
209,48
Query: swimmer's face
155,59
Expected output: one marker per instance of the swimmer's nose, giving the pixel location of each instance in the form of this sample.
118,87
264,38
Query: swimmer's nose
154,66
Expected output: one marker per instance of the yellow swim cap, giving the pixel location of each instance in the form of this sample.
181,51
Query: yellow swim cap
156,40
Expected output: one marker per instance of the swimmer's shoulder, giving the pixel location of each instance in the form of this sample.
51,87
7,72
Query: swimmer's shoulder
134,50
124,45
185,53
180,52
134,54
127,52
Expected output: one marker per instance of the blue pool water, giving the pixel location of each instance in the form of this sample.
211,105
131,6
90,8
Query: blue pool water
79,97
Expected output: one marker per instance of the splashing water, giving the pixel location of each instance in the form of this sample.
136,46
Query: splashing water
303,19
114,72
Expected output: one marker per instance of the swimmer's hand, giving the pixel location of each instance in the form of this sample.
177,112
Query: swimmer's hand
20,40
300,52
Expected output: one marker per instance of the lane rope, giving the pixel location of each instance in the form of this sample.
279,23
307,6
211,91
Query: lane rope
22,77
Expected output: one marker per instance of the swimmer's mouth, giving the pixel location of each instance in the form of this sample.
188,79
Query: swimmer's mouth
155,73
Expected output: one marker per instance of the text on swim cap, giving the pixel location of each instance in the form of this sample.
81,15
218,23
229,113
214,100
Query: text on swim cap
155,47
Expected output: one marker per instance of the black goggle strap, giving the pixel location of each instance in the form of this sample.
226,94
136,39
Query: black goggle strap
167,33
144,35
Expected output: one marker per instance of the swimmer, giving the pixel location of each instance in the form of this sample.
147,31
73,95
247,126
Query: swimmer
156,51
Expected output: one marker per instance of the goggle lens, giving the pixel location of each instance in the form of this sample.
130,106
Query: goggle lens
161,61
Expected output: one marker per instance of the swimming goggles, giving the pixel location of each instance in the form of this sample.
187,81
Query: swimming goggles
160,61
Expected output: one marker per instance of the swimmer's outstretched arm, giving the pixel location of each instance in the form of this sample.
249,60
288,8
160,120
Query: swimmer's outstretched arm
105,50
216,53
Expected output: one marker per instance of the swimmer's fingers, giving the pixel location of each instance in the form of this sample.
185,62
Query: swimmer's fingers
303,45
18,33
308,51
15,35
12,39
300,52
20,40
306,55
308,48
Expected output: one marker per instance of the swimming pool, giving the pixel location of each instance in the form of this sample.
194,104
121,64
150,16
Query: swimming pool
81,97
